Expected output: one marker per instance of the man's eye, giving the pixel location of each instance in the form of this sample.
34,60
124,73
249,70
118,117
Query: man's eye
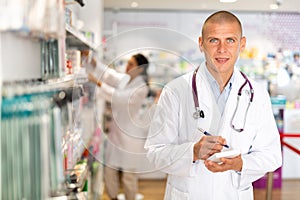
230,40
213,40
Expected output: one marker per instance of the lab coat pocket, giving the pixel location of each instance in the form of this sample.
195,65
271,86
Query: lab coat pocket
243,140
246,194
173,193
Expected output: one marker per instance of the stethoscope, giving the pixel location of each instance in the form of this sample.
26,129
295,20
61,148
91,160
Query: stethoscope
200,113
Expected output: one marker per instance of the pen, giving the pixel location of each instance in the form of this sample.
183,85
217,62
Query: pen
208,134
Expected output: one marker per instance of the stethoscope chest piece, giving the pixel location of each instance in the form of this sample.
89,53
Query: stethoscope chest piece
198,114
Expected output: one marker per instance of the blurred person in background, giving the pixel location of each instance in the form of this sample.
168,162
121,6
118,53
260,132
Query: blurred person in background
126,134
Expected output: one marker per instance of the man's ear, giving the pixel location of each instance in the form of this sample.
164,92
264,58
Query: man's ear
200,43
243,43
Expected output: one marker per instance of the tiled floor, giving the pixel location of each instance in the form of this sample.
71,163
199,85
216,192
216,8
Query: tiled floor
154,190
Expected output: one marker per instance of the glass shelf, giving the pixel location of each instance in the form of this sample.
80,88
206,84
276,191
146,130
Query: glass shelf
69,80
77,39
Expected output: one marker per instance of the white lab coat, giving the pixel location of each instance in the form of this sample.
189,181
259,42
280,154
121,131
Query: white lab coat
126,138
173,133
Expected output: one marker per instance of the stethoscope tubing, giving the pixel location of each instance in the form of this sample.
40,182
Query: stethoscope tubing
200,114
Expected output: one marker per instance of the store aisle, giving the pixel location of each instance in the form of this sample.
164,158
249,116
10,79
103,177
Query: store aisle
290,191
151,189
154,190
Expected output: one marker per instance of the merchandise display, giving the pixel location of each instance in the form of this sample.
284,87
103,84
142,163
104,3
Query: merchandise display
43,136
31,132
47,123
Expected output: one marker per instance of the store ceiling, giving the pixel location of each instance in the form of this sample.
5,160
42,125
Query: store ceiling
240,5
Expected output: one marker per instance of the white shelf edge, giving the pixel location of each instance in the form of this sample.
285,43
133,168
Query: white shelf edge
67,81
80,37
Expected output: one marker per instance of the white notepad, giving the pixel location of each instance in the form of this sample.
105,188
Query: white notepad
224,154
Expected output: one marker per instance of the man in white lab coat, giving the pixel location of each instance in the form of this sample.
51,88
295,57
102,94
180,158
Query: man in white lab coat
176,146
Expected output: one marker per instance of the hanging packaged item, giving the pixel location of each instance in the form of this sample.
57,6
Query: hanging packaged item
31,133
46,19
34,18
13,14
25,151
51,59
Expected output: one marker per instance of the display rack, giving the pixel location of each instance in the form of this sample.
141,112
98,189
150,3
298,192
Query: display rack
66,96
78,40
44,105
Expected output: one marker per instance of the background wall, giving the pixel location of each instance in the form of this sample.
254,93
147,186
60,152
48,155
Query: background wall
265,31
20,57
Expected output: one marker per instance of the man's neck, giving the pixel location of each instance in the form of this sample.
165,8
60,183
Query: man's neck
221,78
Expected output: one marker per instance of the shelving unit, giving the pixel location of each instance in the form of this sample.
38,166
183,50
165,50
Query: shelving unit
75,39
22,59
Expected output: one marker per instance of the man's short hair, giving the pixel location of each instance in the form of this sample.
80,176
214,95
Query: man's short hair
222,17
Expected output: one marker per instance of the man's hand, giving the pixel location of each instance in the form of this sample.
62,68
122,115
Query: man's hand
235,163
207,146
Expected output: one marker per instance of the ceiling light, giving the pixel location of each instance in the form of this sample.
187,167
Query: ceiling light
274,6
227,1
134,4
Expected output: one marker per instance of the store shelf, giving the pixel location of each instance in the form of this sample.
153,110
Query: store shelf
64,82
40,106
58,198
77,39
69,80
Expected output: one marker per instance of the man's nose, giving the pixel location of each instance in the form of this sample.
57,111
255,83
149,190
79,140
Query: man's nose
222,47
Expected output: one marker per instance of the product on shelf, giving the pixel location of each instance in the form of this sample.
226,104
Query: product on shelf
50,59
37,121
36,18
74,56
30,149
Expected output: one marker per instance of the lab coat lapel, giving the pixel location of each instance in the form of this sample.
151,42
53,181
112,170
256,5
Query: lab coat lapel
206,99
204,91
232,98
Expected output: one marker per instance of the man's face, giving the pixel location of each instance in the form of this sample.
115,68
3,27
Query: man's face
221,44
